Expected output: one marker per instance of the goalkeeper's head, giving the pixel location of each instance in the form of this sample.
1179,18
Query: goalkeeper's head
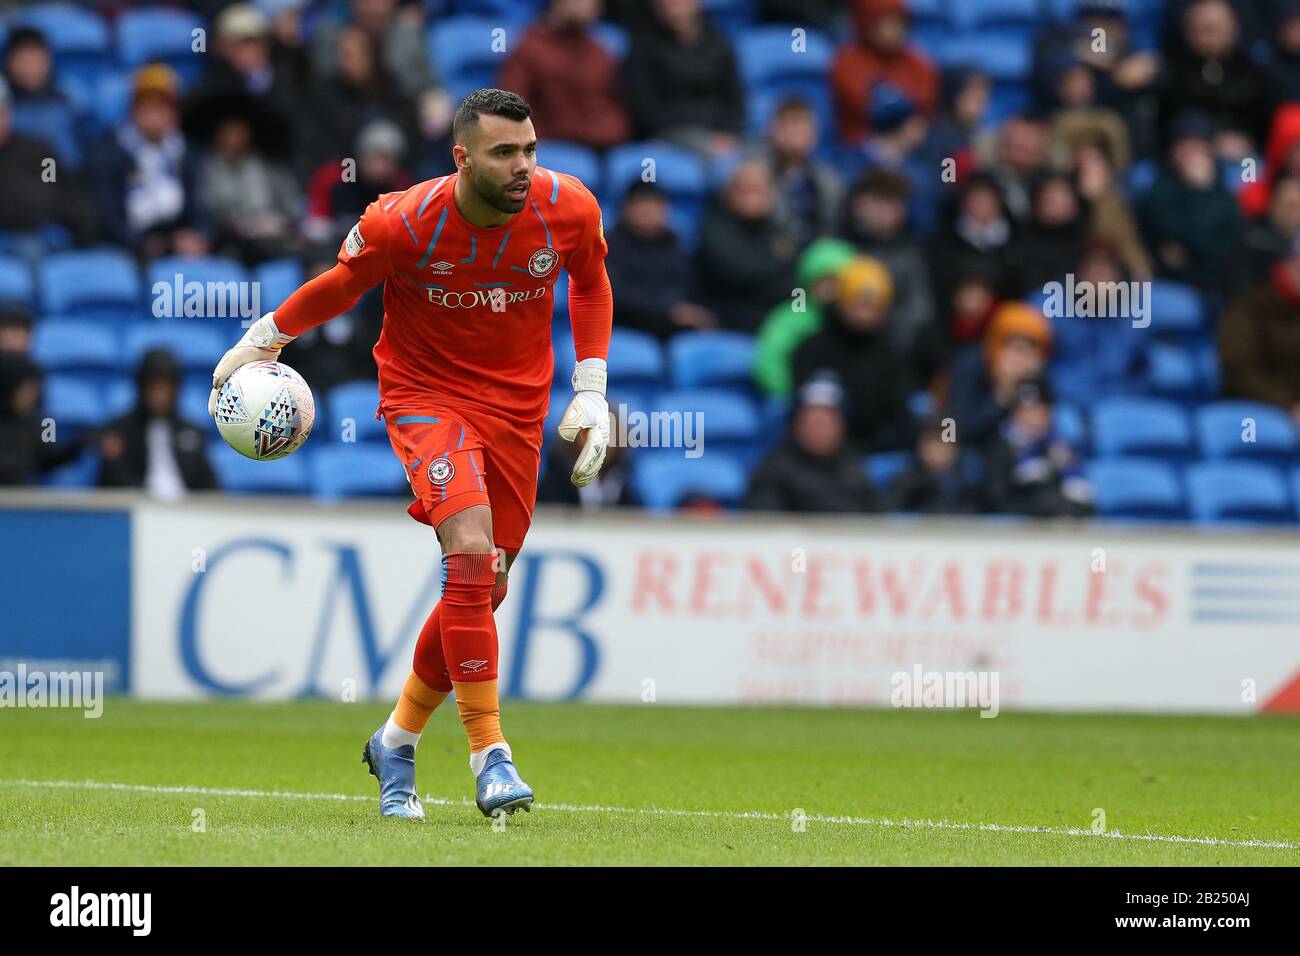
496,147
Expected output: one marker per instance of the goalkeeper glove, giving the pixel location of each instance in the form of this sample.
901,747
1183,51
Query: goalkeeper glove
261,343
588,413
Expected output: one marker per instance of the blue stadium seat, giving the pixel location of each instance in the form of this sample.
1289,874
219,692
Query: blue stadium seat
74,345
16,281
1005,54
1152,427
1207,365
678,171
761,104
1173,371
1222,430
883,467
513,9
636,360
699,359
276,281
81,473
1238,491
571,158
970,14
1295,489
192,403
357,401
612,37
1136,488
222,274
1176,309
663,479
1141,177
726,420
78,38
730,16
766,54
1068,425
235,473
112,100
73,401
930,11
100,283
119,396
53,123
342,471
197,346
461,49
165,34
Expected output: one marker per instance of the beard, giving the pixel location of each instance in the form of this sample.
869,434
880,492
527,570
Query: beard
496,197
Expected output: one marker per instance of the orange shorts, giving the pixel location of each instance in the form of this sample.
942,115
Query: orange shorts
455,460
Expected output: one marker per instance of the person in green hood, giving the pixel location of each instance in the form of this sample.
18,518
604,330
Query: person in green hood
789,323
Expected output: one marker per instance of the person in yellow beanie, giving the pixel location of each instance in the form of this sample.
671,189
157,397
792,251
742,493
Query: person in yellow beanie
853,347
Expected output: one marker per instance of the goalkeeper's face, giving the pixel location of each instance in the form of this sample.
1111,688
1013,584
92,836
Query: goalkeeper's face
501,156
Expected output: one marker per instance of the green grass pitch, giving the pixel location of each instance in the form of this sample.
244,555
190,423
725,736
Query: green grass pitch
283,784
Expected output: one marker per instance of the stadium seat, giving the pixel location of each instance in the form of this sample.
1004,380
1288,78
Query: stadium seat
112,100
16,281
1005,54
227,291
970,14
1224,430
81,473
198,347
236,473
767,54
78,38
53,123
165,34
192,403
356,401
119,396
664,479
883,467
1176,309
99,284
636,360
1141,177
761,104
701,359
677,170
499,8
341,471
1237,491
1068,425
73,401
276,281
730,16
1136,488
1151,427
75,345
1173,372
1295,490
571,158
612,37
462,49
713,418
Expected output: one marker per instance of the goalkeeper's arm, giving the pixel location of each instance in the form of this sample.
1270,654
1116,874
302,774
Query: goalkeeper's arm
329,294
591,316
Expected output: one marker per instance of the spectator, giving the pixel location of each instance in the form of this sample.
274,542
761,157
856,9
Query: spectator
879,52
876,222
147,174
963,105
396,33
1049,244
1096,163
934,482
1188,218
1259,340
974,286
611,488
648,266
813,469
745,261
985,377
1284,69
151,446
1028,470
342,349
340,201
25,452
1014,157
15,328
808,191
900,143
253,202
681,82
976,232
1210,71
29,70
1096,355
790,322
1267,240
32,200
1281,159
568,78
853,345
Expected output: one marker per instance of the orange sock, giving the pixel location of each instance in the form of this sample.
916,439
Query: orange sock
417,704
480,712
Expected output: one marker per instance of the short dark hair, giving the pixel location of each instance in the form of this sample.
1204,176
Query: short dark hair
26,36
491,103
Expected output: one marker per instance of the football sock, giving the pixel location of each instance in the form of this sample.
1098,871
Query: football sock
469,644
414,707
480,712
429,664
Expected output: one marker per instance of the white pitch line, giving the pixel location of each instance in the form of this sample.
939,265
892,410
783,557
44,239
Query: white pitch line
881,822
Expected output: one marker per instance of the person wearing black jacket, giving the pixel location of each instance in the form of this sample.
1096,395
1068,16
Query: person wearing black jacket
29,445
813,470
854,345
935,483
151,446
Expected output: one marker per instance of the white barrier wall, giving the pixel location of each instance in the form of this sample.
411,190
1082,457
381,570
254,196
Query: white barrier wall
282,601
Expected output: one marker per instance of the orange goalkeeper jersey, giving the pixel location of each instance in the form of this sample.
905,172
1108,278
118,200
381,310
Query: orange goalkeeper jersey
467,309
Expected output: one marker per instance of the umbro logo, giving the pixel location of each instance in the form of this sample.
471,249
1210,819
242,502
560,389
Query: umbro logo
442,267
473,667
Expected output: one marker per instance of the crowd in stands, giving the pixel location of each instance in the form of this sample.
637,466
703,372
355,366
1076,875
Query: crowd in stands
843,254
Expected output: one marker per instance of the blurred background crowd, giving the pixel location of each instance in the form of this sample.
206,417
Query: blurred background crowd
839,256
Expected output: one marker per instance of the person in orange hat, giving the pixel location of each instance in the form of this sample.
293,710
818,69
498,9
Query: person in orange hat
146,173
985,376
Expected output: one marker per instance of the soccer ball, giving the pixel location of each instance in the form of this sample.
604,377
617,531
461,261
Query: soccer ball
265,410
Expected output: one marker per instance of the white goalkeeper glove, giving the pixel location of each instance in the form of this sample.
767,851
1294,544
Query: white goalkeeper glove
261,343
587,414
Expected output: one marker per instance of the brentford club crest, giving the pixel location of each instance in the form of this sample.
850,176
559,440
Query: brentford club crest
541,262
440,471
